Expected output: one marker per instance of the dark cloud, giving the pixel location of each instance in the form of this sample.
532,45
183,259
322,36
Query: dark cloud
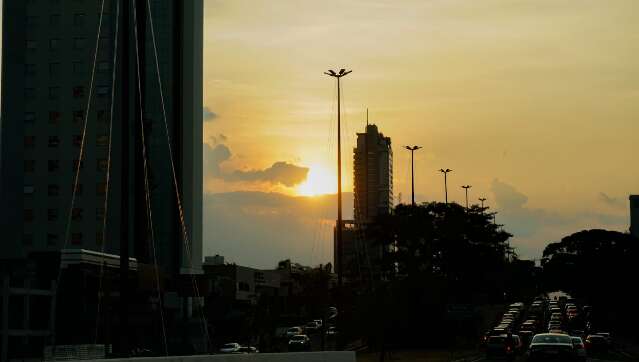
258,229
208,115
610,201
213,156
280,172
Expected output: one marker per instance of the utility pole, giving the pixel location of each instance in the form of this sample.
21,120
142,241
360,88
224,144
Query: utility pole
412,170
342,72
482,199
445,172
125,292
466,187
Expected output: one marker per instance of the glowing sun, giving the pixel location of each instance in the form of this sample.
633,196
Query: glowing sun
319,181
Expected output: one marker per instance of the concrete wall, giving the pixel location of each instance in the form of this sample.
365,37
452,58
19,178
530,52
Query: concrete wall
332,356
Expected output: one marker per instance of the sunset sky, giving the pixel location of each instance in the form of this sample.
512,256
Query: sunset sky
533,103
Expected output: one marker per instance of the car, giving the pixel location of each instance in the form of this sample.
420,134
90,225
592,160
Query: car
230,348
246,350
496,347
596,343
580,348
293,331
525,337
311,326
331,331
557,331
300,342
551,347
607,336
319,322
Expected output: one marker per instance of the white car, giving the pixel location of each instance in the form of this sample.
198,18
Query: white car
230,348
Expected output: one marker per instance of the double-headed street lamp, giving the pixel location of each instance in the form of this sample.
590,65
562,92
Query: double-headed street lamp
466,187
342,72
412,170
445,172
482,199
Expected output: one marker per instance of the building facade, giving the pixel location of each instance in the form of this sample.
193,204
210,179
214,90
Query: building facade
634,215
47,62
373,175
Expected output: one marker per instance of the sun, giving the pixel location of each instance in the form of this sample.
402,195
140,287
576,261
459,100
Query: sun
319,181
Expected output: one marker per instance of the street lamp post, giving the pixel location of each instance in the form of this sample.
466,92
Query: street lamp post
445,172
412,170
466,187
342,72
482,199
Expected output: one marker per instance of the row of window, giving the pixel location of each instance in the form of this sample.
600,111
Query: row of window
54,214
54,190
54,165
54,141
30,69
79,19
53,239
78,92
78,117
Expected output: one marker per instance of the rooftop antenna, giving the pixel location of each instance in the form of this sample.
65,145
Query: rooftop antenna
366,117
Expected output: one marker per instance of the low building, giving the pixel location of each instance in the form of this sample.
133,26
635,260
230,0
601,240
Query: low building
634,215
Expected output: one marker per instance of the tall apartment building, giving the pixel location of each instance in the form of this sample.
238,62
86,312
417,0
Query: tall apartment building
634,215
373,175
47,60
373,196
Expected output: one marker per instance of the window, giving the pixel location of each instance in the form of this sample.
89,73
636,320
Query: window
102,91
104,66
27,239
28,190
103,116
29,69
103,140
54,141
78,91
52,239
27,215
29,94
79,68
32,21
105,44
29,141
103,164
29,165
54,19
54,93
243,287
99,214
54,44
79,43
75,164
78,189
76,238
76,214
32,45
78,117
54,69
29,117
53,190
99,237
54,117
52,214
54,165
77,140
78,19
101,188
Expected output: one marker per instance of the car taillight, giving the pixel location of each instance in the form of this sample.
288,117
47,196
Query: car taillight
508,349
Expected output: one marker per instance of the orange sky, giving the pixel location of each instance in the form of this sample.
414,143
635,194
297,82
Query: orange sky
541,96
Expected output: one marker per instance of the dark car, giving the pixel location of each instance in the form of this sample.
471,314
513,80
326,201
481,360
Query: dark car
551,347
301,342
497,347
596,343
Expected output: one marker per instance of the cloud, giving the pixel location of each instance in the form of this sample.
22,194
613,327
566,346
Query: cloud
258,229
534,228
220,138
611,201
284,173
280,172
208,115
